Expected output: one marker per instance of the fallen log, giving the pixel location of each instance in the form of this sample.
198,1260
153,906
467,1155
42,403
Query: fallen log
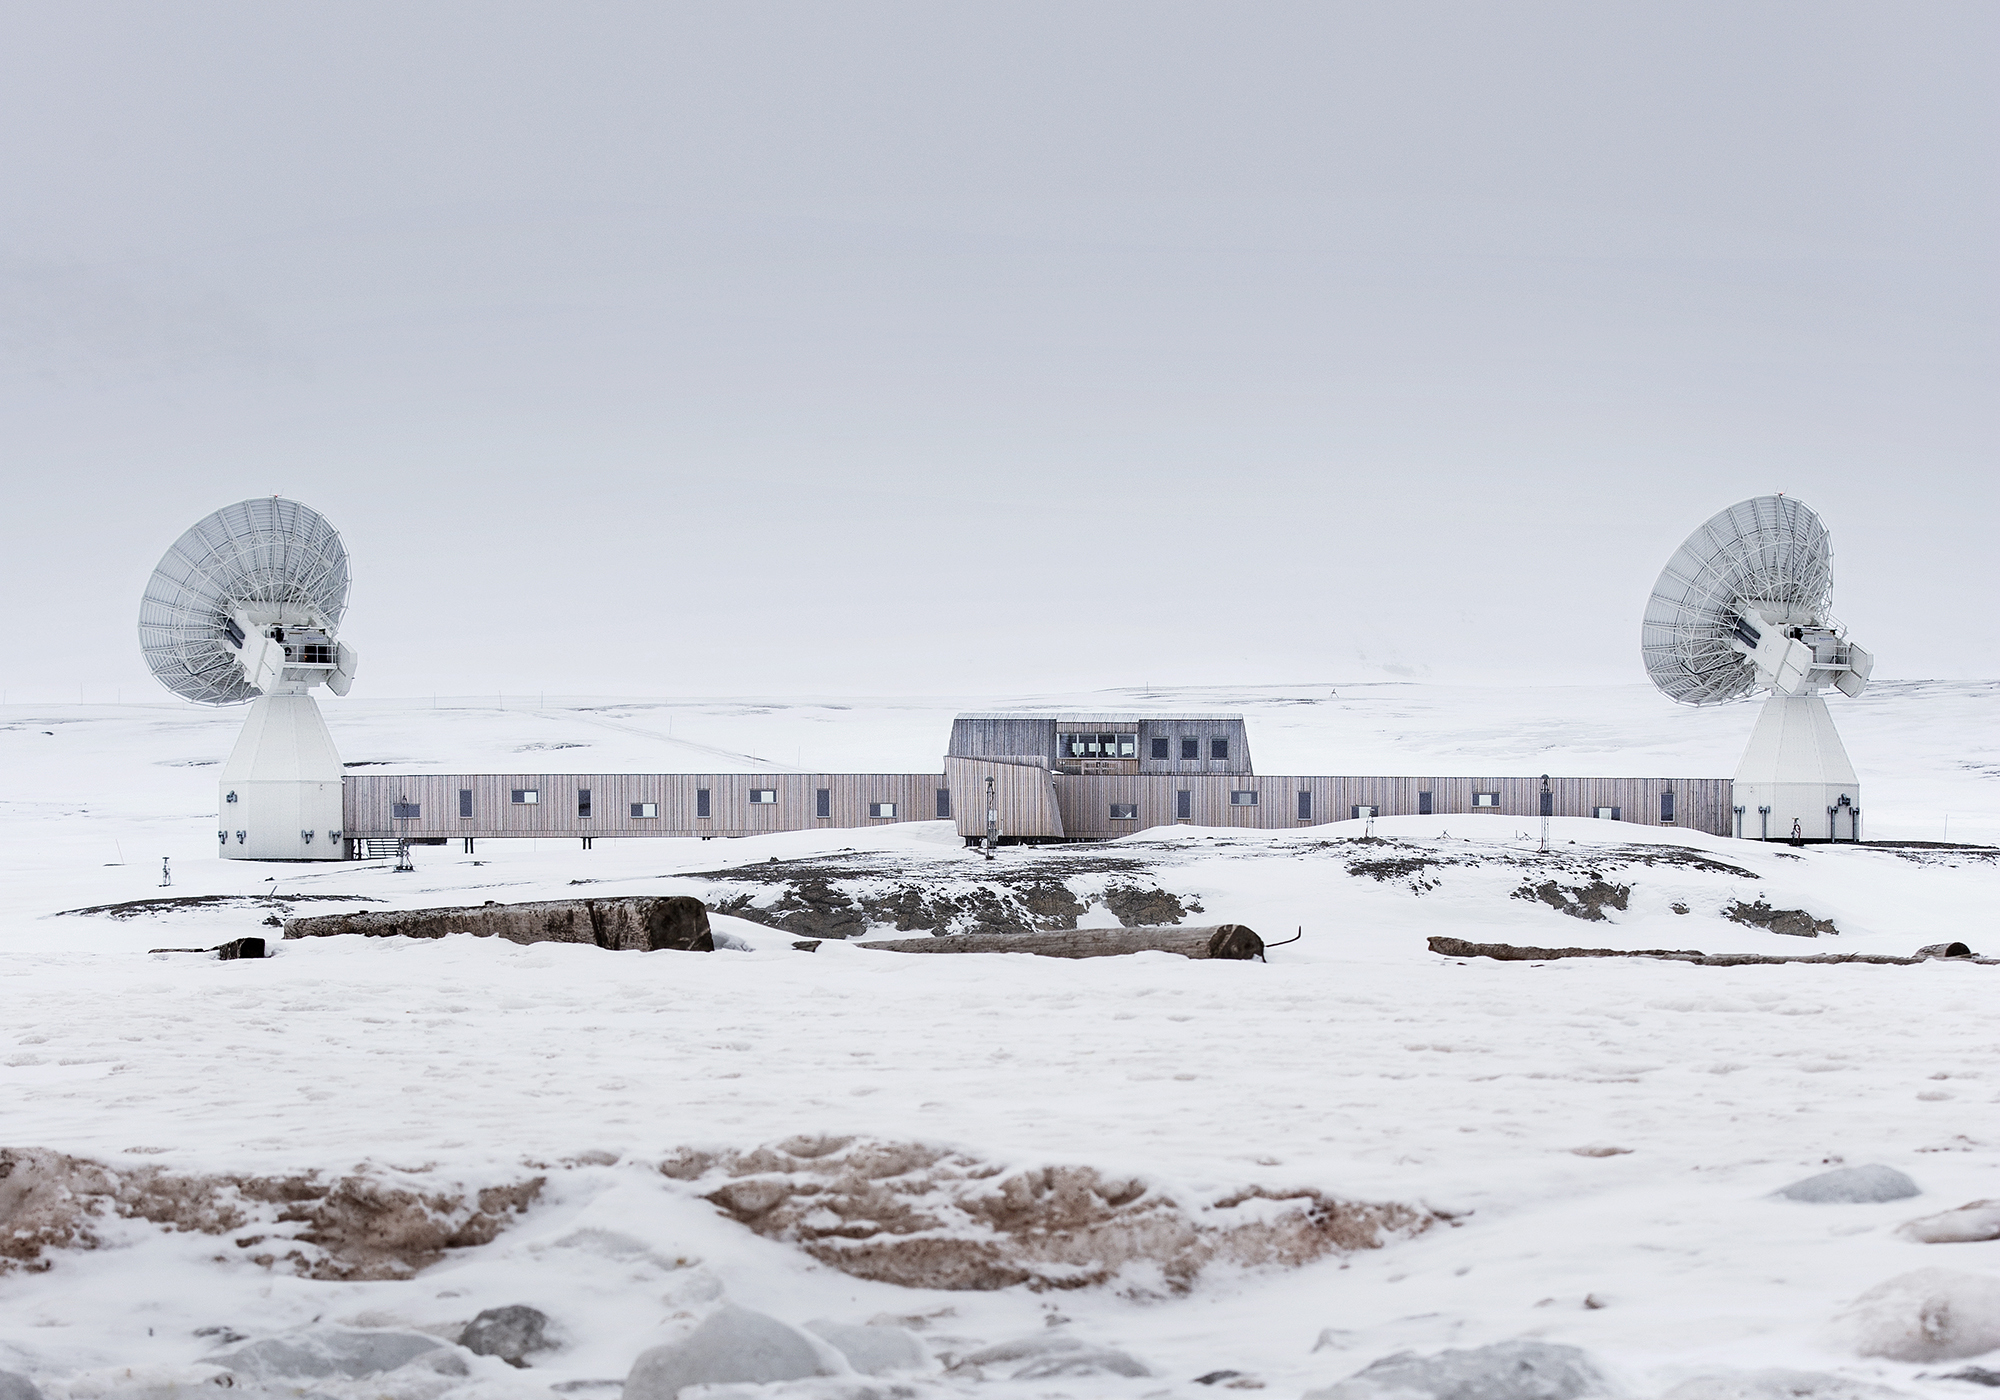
1231,942
646,923
1509,952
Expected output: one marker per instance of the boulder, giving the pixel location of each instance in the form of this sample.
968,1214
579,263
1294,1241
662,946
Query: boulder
874,1350
1927,1315
1853,1185
1971,1222
15,1386
732,1344
1781,1385
509,1333
1047,1354
1504,1371
345,1352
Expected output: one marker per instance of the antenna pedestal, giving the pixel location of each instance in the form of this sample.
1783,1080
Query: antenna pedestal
1796,771
279,797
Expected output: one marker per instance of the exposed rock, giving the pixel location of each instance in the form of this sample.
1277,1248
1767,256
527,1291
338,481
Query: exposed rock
1137,907
1795,922
645,923
365,1225
321,1352
732,1344
1974,1375
1971,1222
1927,1315
1850,1185
1045,1355
15,1386
874,1350
1578,901
1504,1371
509,1333
926,1217
1781,1385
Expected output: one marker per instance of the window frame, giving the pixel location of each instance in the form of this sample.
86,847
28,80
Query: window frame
1190,749
644,811
465,804
1124,811
822,804
524,797
1305,806
1218,750
583,805
1244,797
763,797
1183,804
1491,804
881,811
704,804
944,804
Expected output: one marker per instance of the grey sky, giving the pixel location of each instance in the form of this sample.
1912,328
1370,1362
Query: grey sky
910,348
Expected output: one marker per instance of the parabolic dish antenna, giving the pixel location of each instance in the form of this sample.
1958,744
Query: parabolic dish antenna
247,606
263,555
1746,604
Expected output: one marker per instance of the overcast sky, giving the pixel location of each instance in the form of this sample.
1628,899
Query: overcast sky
841,347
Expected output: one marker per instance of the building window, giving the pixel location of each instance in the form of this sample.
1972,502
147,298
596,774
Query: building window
1667,806
1191,750
406,811
583,804
1486,799
1124,811
881,809
1243,797
1423,804
525,797
701,802
1609,814
1098,745
763,797
1184,805
645,809
944,804
1159,749
1305,806
465,802
1218,749
1357,813
823,802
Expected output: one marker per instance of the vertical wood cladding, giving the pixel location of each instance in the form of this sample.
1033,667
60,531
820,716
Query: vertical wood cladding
1036,736
1033,801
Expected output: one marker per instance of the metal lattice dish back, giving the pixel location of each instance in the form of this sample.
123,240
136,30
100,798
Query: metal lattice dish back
263,551
1771,549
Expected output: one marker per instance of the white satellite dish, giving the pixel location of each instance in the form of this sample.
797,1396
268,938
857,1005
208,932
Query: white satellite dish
246,606
1745,605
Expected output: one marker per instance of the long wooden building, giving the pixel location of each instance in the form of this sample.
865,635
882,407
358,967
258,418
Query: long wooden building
1031,777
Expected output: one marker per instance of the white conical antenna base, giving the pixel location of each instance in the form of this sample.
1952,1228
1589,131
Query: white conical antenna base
1796,771
279,798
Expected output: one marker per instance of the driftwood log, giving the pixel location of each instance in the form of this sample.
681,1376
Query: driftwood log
1229,941
646,923
1509,952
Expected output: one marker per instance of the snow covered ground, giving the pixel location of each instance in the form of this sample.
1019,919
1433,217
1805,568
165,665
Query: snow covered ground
1599,1139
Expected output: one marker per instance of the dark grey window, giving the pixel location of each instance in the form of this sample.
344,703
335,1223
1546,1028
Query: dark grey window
1357,813
1667,805
944,804
763,797
583,804
823,802
465,802
1191,750
645,809
1243,797
1609,814
1423,804
701,802
1124,811
1218,748
1305,806
882,809
1184,805
1159,748
407,811
1486,799
524,797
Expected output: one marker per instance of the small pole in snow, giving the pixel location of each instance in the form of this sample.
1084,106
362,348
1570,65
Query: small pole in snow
166,873
1548,805
992,820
